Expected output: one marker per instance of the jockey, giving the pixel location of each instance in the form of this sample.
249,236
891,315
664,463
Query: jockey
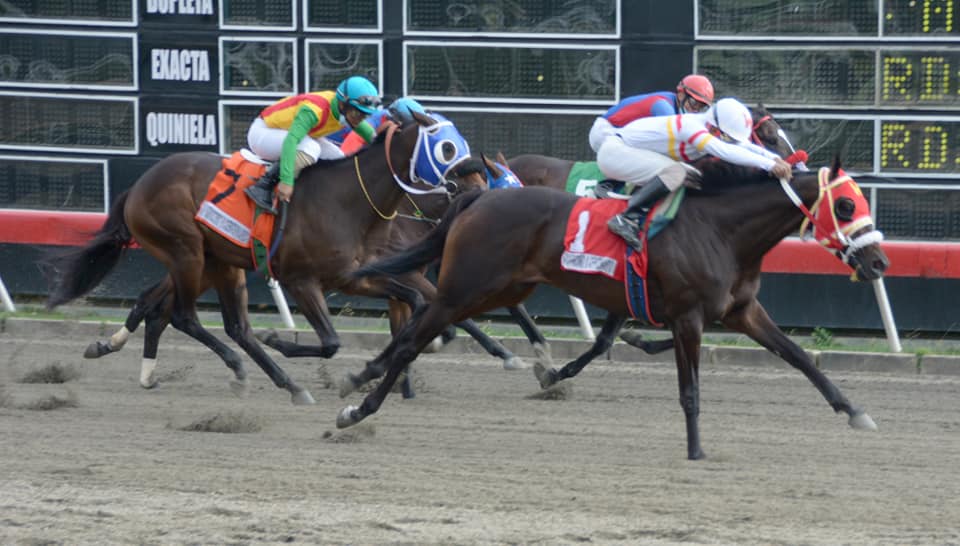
350,141
694,94
649,153
292,131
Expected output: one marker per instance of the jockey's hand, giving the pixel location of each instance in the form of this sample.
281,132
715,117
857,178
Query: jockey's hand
284,191
781,169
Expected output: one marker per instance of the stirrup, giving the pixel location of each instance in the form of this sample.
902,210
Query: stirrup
262,197
627,230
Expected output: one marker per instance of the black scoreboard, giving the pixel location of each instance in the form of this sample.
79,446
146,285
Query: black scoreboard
93,92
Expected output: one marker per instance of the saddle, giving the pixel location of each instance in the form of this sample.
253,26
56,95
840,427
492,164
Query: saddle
227,210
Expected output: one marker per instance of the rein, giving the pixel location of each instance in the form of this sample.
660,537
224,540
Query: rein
356,165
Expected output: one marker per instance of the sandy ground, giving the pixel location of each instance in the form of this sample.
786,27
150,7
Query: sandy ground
471,460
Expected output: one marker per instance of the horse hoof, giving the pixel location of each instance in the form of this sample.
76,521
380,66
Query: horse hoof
862,421
239,387
302,398
541,352
633,338
347,385
434,346
329,350
697,455
514,363
546,377
97,349
347,417
149,382
267,337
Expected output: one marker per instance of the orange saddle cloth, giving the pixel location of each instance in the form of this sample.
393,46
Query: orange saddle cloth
228,211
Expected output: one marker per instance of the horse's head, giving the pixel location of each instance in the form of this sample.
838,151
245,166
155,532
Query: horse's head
440,156
840,220
768,134
499,174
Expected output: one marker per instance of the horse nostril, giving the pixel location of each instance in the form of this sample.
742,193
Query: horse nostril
880,265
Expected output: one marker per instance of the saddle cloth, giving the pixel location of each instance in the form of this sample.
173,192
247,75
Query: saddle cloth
589,247
227,210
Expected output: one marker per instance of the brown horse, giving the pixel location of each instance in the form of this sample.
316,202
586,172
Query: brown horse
338,219
703,267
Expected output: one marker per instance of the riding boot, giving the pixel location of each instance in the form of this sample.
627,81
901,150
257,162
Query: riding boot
627,223
261,192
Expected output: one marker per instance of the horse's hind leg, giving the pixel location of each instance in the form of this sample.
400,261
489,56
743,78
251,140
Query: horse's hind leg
635,339
308,295
148,299
752,320
425,325
492,346
231,286
602,344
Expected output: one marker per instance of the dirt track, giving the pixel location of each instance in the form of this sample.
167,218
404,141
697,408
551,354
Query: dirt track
471,460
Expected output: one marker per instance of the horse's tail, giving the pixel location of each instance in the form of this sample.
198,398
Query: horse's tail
76,271
426,250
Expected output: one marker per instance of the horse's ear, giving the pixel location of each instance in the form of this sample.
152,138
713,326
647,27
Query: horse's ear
423,119
500,159
835,167
497,173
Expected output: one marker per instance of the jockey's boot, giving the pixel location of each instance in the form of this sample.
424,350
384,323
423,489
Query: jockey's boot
262,190
627,223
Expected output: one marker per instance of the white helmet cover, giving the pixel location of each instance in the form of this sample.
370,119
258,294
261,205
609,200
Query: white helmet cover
733,118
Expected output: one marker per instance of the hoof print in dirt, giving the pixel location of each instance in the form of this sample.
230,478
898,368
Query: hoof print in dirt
559,391
358,433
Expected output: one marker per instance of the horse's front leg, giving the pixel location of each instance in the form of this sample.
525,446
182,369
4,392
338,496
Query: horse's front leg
308,295
602,344
752,320
687,334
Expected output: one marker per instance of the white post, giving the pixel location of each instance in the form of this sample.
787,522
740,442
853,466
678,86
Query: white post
582,318
887,315
281,303
5,296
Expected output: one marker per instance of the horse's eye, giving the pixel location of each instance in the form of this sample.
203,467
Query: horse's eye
445,151
844,209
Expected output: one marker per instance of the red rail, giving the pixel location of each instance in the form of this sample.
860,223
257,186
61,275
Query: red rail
907,259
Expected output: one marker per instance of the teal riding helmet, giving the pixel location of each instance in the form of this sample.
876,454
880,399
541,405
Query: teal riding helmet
402,109
360,93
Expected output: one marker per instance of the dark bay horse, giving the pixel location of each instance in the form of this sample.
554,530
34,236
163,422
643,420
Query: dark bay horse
704,267
336,222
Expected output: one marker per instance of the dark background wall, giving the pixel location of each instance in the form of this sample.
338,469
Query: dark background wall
95,98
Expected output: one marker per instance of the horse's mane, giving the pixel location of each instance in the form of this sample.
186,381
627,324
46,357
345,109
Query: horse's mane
324,163
720,176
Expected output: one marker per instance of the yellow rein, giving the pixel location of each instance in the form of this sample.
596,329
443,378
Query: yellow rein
356,165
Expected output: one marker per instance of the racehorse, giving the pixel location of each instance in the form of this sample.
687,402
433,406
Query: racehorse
553,172
703,267
335,223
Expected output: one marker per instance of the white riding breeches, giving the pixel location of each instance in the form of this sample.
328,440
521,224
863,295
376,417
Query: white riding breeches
599,132
267,142
637,166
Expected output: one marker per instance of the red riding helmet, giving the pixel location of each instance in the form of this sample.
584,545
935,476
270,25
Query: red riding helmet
698,87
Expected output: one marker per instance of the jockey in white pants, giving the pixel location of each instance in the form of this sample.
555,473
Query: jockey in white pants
648,154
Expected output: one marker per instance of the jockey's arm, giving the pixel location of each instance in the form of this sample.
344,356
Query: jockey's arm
305,120
357,138
737,154
759,150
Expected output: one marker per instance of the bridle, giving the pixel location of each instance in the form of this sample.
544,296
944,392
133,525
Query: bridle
842,239
448,187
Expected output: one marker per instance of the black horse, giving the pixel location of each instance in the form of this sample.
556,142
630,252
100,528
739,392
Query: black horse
704,267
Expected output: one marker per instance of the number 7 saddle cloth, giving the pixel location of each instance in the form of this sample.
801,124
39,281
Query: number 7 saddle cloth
227,210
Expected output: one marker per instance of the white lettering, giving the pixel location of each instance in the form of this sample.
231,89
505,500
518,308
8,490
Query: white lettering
180,65
180,7
178,128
